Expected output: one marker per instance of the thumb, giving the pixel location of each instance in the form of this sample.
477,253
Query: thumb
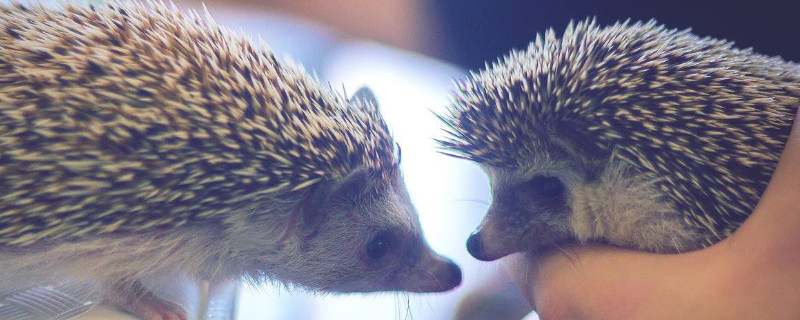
784,187
774,224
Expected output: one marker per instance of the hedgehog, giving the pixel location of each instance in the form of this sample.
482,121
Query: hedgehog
633,135
139,141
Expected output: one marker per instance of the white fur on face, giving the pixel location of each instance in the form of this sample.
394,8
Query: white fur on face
335,257
625,208
618,205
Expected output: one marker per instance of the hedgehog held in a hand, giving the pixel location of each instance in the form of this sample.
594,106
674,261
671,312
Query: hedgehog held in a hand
136,140
633,135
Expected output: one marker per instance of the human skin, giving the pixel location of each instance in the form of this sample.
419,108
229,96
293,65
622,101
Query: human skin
753,274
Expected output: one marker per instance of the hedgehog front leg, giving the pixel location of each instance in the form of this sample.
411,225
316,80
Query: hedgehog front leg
137,300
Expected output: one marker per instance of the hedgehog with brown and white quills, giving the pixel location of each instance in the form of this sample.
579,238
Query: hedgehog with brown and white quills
632,134
138,141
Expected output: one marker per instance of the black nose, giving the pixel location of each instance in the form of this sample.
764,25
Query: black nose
455,273
475,246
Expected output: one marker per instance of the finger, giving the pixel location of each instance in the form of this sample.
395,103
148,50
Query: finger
522,268
771,233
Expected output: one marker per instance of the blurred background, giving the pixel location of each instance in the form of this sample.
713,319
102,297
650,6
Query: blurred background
408,51
467,33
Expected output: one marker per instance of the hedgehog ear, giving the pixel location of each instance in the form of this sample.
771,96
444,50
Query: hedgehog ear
364,98
353,183
316,207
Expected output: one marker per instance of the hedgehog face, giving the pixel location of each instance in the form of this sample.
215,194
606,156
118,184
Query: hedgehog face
531,208
560,197
368,239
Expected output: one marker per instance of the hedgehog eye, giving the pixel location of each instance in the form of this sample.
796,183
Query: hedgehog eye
545,190
379,245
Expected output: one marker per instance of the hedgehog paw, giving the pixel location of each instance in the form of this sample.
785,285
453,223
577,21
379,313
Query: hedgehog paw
138,301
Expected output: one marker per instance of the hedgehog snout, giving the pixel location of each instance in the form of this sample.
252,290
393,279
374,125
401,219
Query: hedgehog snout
488,243
474,246
431,273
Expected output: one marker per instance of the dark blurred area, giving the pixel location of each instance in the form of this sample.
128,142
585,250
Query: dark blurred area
476,31
469,33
